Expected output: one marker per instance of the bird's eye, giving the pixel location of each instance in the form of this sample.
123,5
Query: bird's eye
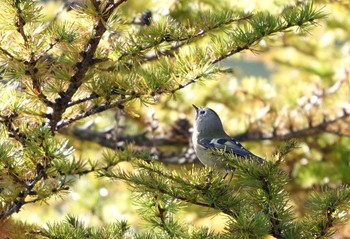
202,112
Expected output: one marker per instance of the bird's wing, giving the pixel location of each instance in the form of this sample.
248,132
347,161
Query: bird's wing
230,145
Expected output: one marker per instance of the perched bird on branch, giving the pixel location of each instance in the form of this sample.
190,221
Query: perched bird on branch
208,133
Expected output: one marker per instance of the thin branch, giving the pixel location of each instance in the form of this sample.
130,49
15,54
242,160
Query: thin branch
112,141
92,96
231,52
106,138
32,71
20,22
327,224
13,131
82,66
184,199
120,103
7,53
176,44
183,41
315,99
94,110
271,211
172,194
109,140
19,201
311,130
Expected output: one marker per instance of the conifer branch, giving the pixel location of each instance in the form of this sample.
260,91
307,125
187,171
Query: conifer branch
13,131
114,92
134,179
94,110
28,191
146,143
264,26
178,135
248,38
184,41
273,215
19,200
180,42
32,71
7,53
326,209
165,221
27,187
83,65
92,96
20,22
185,199
108,139
119,103
255,203
327,224
153,180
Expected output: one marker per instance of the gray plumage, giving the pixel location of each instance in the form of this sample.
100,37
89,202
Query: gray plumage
209,133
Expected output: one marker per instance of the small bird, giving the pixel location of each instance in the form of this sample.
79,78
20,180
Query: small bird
208,133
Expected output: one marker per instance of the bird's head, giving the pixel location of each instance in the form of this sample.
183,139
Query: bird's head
207,122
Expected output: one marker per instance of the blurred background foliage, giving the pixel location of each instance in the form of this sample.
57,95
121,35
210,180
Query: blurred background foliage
285,88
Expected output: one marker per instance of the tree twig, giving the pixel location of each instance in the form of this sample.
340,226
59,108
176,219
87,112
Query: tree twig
82,66
310,130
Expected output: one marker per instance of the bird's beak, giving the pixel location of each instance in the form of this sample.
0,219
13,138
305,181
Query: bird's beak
195,107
